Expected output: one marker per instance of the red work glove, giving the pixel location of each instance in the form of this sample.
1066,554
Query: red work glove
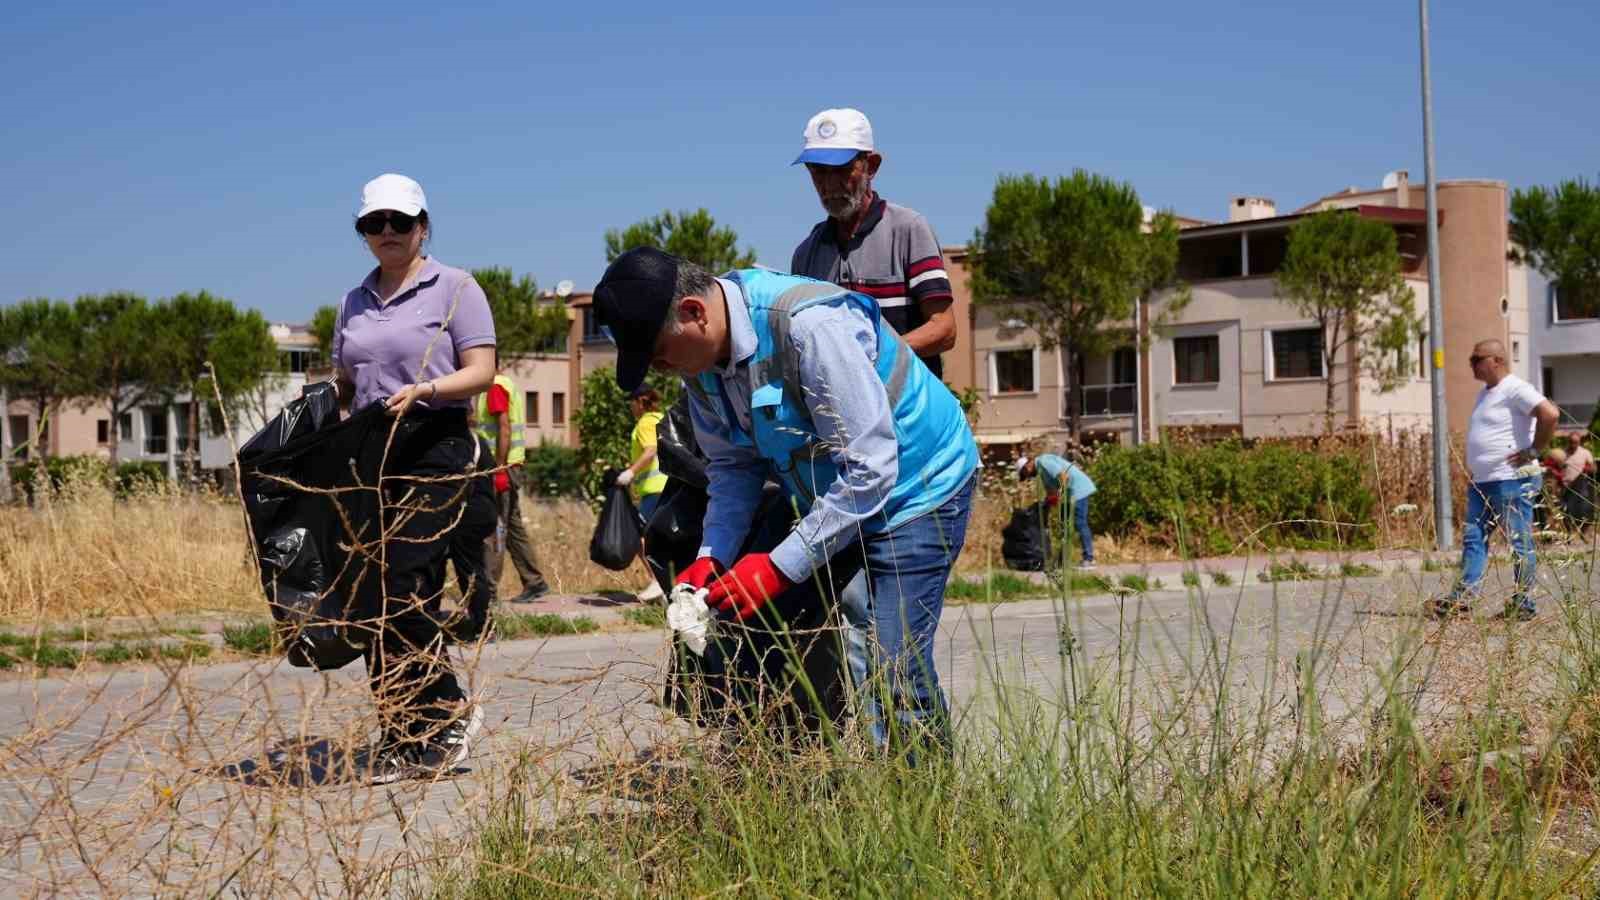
502,481
1052,499
701,572
748,586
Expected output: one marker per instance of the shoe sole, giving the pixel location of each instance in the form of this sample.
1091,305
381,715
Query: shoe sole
464,749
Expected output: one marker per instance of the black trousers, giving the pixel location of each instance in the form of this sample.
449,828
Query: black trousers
425,494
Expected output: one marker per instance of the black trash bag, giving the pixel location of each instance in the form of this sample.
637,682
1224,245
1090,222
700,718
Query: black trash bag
672,536
1025,541
315,409
616,536
677,452
469,552
315,589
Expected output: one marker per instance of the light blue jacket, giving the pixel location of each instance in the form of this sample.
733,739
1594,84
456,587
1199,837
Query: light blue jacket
1051,468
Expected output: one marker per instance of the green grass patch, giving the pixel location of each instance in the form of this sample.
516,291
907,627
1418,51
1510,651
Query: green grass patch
150,651
251,638
49,656
1220,578
1139,583
1191,579
1357,570
999,587
1429,564
522,625
7,661
1293,570
650,615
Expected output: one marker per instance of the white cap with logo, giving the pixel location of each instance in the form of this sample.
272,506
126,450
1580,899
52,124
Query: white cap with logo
391,191
835,136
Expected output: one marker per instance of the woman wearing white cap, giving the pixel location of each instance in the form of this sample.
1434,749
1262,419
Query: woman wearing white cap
418,337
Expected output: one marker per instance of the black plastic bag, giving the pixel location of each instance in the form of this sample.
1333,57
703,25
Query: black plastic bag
677,451
316,408
1025,541
616,536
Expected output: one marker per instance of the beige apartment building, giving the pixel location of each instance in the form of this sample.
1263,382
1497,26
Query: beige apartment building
1241,360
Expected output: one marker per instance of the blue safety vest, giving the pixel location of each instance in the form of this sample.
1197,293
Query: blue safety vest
936,451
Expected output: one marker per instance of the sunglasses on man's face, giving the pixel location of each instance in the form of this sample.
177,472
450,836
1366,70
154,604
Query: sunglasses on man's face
1474,359
372,223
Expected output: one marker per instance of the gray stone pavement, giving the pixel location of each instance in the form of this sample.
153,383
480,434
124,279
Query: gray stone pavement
191,780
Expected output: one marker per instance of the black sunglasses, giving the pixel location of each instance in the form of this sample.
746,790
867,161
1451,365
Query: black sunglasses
1475,359
372,223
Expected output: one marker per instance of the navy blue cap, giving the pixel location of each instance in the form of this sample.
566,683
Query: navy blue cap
633,299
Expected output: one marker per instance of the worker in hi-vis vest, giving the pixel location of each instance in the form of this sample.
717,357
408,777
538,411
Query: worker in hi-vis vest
503,421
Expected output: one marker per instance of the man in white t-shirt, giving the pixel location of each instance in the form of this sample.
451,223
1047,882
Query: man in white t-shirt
1509,429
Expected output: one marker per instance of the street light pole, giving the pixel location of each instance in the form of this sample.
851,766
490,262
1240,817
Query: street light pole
1444,530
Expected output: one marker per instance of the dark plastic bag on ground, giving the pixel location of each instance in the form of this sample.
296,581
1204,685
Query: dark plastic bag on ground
616,536
1025,541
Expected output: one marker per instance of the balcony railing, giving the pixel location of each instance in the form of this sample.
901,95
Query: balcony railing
155,446
1107,399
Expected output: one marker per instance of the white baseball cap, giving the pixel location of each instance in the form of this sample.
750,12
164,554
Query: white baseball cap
391,191
835,136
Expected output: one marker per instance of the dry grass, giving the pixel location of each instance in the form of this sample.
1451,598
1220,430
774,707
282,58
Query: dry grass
80,554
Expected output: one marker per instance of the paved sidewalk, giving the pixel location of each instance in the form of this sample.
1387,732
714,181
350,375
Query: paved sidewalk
238,778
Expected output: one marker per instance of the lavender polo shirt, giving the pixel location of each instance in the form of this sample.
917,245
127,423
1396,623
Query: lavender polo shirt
381,347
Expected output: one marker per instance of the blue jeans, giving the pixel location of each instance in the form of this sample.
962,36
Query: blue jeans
894,620
1080,521
1506,503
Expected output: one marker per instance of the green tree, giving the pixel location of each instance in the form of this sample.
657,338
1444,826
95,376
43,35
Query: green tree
695,236
118,362
1343,271
208,347
523,322
41,361
1071,258
605,422
323,321
1557,231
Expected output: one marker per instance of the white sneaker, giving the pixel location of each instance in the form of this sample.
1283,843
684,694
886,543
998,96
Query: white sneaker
1086,566
653,592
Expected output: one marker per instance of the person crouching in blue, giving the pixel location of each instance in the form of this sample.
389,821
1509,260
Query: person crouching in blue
801,381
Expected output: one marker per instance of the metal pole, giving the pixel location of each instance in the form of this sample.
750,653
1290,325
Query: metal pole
1444,530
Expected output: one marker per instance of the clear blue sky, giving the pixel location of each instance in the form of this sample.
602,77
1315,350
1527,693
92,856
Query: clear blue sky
176,146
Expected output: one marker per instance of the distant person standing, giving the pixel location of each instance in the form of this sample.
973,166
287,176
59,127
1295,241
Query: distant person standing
1577,483
1055,473
1510,426
870,245
880,249
503,422
644,472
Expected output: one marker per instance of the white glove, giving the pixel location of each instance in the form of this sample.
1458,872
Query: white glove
625,477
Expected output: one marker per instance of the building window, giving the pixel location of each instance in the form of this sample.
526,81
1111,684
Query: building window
530,406
1297,353
1124,366
1197,360
125,426
19,436
592,329
1014,371
155,431
1573,306
102,431
1422,356
1549,386
1516,351
558,408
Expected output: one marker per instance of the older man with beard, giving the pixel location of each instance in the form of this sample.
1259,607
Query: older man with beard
880,249
870,245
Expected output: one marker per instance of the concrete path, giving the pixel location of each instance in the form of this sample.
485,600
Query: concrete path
236,777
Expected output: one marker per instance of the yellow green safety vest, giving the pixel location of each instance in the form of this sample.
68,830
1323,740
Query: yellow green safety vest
489,427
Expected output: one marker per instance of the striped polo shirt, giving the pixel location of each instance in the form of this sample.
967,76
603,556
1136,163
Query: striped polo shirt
893,257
